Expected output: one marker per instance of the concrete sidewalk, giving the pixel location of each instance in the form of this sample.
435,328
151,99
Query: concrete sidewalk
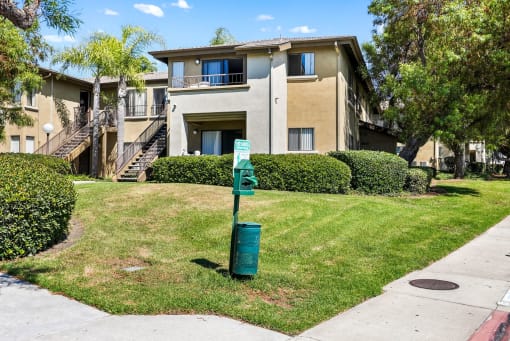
403,312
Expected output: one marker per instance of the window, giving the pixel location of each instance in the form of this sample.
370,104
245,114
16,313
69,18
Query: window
301,139
136,103
31,98
178,75
302,64
158,101
222,71
15,144
219,142
350,89
16,93
29,144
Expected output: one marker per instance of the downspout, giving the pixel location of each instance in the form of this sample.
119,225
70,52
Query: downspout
52,101
337,50
270,99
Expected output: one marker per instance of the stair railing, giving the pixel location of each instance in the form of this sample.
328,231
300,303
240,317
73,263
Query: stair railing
80,124
135,147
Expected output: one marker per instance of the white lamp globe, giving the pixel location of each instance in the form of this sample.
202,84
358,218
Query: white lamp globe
48,128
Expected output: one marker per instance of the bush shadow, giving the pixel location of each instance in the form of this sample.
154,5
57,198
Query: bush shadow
455,191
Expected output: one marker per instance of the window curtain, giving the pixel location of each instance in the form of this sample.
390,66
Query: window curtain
293,139
211,142
307,64
158,99
29,144
215,71
178,75
15,144
307,139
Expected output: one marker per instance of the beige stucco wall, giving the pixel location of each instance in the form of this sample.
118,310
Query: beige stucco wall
321,103
251,99
45,111
312,102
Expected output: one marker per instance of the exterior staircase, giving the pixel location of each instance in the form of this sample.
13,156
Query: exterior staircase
136,170
75,145
137,158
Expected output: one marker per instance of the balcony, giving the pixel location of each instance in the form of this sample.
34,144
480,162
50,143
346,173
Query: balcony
205,81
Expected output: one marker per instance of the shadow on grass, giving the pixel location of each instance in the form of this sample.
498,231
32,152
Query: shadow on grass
455,191
25,273
205,263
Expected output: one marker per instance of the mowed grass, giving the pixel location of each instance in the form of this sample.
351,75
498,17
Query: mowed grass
319,254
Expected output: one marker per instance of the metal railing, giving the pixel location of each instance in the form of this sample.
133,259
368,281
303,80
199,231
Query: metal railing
135,147
136,110
157,109
79,125
204,81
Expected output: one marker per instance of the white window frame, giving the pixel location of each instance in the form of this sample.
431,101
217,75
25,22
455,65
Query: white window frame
15,143
303,145
178,74
29,141
32,98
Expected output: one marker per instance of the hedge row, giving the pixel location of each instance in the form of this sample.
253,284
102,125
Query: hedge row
290,172
35,205
52,162
374,172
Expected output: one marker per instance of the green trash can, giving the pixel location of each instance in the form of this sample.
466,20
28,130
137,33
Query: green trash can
247,243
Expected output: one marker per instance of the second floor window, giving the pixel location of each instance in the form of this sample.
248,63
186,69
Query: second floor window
302,64
301,139
158,101
136,103
222,71
31,98
16,94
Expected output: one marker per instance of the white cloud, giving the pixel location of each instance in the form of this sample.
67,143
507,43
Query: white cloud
181,4
303,29
149,9
108,11
265,29
264,17
52,38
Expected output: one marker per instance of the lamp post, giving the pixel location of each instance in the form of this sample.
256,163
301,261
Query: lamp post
48,129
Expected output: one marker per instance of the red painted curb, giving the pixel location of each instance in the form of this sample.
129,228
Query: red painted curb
488,329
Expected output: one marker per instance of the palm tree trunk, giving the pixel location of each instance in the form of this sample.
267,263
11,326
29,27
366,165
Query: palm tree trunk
95,129
121,113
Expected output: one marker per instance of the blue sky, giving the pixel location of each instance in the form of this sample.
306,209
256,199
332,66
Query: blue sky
188,23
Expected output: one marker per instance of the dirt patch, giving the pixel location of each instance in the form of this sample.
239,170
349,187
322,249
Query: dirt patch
281,298
76,230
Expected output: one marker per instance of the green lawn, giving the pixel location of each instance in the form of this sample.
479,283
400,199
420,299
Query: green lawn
320,254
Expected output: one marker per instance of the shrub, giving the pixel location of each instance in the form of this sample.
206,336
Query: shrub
35,206
417,180
431,172
55,163
374,172
291,172
449,162
476,168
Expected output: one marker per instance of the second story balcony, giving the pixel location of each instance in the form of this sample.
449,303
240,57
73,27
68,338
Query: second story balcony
204,81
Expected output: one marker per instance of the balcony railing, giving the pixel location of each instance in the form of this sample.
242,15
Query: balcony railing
204,81
136,110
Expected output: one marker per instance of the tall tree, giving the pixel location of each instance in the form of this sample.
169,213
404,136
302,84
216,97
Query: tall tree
222,36
129,64
442,67
94,56
22,47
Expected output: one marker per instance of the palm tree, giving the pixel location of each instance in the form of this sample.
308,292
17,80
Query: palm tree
95,56
129,65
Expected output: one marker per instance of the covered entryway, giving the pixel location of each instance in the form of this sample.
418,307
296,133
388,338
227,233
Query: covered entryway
214,133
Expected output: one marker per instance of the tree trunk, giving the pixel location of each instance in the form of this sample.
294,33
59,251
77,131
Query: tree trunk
459,151
506,168
411,148
95,129
121,113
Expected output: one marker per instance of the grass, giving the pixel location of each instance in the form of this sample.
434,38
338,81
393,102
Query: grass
320,254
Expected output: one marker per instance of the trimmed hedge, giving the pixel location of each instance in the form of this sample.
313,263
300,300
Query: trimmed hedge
35,206
57,164
290,172
374,172
417,181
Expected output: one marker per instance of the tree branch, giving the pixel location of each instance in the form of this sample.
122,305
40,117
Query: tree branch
20,17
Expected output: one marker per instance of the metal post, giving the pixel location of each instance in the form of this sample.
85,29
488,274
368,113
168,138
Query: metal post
233,235
47,143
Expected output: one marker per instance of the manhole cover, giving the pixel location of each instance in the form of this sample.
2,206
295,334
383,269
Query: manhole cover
433,284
